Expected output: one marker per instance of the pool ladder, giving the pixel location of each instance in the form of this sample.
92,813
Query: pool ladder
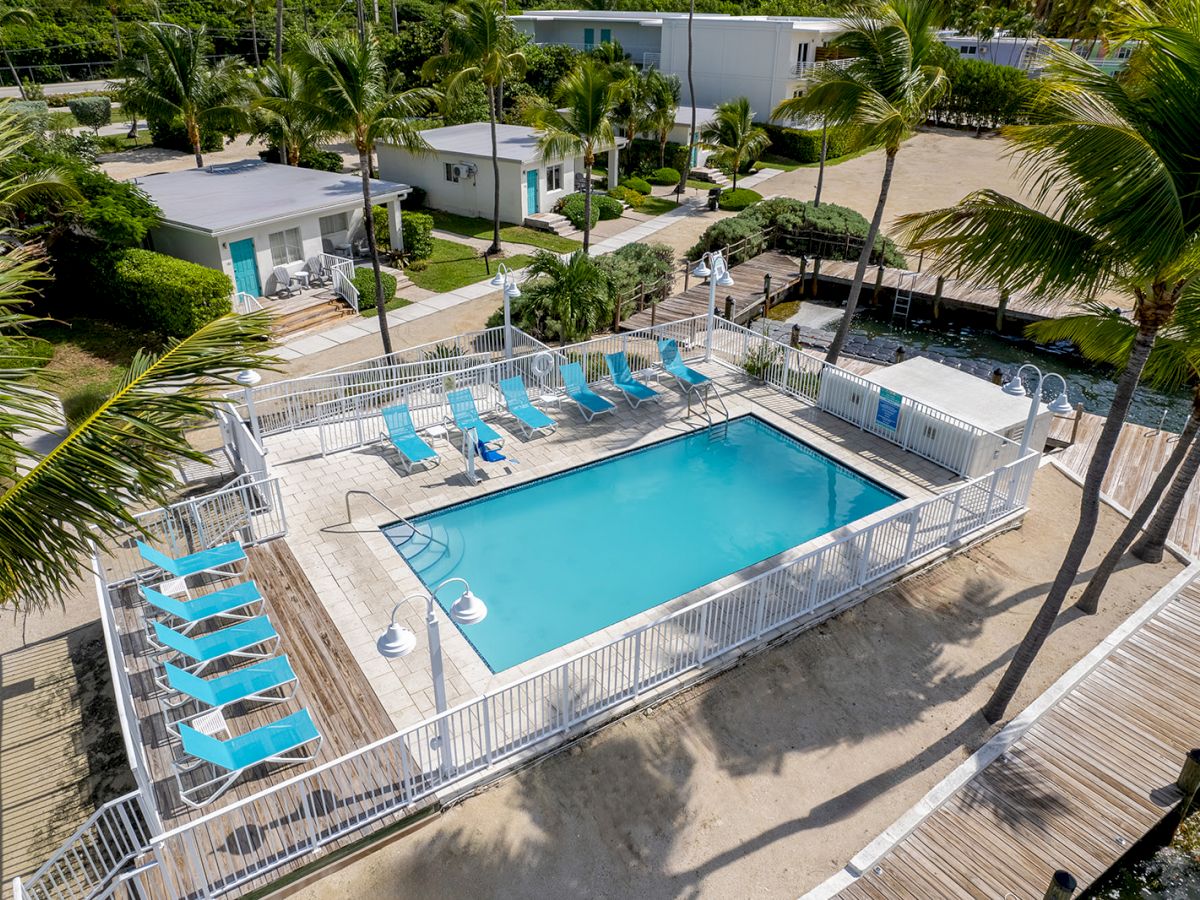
707,409
412,528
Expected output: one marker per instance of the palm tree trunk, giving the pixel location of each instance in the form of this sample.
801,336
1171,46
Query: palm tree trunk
16,77
821,167
254,37
1089,601
278,32
1089,514
193,131
687,162
588,159
662,149
1153,541
737,164
369,226
864,259
495,248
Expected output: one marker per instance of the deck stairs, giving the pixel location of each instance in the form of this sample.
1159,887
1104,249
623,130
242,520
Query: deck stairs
324,309
552,222
904,293
713,176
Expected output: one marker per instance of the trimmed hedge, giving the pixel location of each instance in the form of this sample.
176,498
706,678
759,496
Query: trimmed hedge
364,281
665,176
805,146
417,230
603,207
609,208
984,95
92,112
640,185
159,292
627,195
735,201
641,156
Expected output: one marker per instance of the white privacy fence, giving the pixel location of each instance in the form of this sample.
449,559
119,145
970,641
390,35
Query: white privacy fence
215,854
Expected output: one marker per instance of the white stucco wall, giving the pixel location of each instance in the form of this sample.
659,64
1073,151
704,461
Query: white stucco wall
635,39
203,249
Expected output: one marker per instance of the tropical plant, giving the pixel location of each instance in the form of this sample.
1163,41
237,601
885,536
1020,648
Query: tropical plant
691,145
884,93
733,137
660,98
278,32
567,299
579,124
124,453
1111,167
14,15
348,92
279,114
246,7
171,78
481,47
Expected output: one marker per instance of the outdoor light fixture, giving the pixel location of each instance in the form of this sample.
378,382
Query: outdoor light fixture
713,267
505,279
1016,388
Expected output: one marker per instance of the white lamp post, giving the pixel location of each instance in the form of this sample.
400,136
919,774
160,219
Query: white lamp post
1016,388
248,378
508,281
712,266
398,641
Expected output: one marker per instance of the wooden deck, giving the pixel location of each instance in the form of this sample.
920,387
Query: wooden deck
331,685
1078,789
1139,456
747,292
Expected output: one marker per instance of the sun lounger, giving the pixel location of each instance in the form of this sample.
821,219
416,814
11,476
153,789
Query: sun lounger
635,392
220,560
240,640
269,681
400,431
279,742
689,379
516,398
589,402
466,417
236,602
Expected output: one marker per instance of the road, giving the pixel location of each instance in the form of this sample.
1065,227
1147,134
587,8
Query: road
61,87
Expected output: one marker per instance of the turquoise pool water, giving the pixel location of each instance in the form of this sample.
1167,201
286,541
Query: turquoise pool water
562,557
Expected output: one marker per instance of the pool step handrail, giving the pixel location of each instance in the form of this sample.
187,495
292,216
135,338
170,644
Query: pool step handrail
412,528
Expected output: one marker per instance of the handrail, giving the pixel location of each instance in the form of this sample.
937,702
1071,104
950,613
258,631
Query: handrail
365,493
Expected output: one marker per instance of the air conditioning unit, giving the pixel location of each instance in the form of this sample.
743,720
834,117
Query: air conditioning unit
464,170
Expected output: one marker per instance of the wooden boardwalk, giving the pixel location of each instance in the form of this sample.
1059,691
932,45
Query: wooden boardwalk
1088,779
1139,456
747,292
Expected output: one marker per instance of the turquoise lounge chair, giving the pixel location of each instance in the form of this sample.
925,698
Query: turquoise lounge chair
589,402
228,603
403,435
635,392
466,417
516,398
214,560
272,743
269,681
690,379
235,641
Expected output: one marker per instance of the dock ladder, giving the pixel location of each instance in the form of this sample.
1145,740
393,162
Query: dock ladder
904,293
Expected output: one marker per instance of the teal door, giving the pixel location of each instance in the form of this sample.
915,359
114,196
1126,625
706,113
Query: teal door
695,149
531,192
589,38
606,35
245,267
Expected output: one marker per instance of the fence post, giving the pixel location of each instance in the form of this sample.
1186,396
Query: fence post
987,510
937,295
637,663
487,729
864,561
816,276
766,294
914,522
954,515
1062,886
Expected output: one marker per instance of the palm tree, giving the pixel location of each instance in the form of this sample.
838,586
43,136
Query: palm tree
347,91
280,114
662,107
1110,164
733,137
171,78
247,6
14,15
480,46
579,124
568,296
687,165
278,32
884,94
628,91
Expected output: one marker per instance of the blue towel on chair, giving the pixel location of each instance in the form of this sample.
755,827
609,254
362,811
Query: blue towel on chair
490,455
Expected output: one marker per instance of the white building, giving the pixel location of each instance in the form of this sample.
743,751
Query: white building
763,58
457,175
245,218
1026,52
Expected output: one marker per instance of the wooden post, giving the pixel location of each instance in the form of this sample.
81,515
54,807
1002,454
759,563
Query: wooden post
1078,419
1062,886
795,339
687,274
937,295
766,293
1188,783
920,260
729,307
878,287
816,275
653,312
641,304
1000,310
617,315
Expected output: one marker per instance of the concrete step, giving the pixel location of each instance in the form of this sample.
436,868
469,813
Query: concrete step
551,222
714,176
319,315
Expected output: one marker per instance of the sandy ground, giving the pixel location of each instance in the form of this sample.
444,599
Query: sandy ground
767,779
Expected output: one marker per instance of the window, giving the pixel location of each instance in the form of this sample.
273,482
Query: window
554,178
334,224
1125,51
452,172
286,247
968,50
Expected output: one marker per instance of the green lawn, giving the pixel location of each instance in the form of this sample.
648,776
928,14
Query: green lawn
656,206
771,161
472,226
454,265
394,303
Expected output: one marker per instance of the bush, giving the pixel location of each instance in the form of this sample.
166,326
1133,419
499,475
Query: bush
171,135
609,208
634,183
416,197
320,160
417,229
627,195
572,205
641,156
65,99
35,114
161,293
983,95
91,112
735,201
665,176
364,281
634,266
111,143
805,146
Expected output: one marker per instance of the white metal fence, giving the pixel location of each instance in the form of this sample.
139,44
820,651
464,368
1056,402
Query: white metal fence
341,270
247,454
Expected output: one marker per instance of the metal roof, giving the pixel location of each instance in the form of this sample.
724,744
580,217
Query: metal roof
514,143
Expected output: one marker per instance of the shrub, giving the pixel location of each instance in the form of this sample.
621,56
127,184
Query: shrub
665,176
571,206
735,201
627,195
634,266
805,146
65,99
171,135
416,197
983,95
609,208
35,114
91,112
636,184
417,230
111,143
364,282
641,156
161,293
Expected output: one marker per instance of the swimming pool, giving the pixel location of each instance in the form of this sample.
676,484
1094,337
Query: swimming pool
567,555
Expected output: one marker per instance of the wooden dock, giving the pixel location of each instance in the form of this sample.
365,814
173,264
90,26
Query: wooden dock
1088,779
747,292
